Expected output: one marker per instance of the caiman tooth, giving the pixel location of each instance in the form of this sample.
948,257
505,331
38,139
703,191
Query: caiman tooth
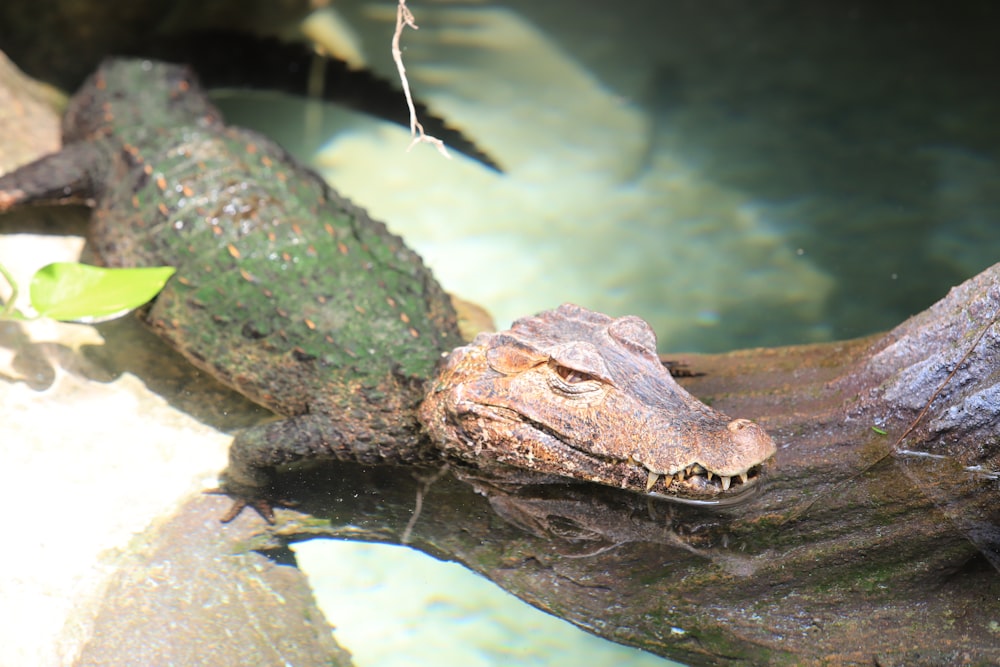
651,479
725,482
709,474
743,477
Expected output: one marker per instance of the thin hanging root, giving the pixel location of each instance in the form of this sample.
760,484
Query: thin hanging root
404,17
426,481
7,309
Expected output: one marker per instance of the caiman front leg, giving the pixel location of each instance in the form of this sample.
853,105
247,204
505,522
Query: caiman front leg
258,453
254,457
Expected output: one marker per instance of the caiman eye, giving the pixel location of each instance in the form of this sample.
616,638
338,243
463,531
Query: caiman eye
572,376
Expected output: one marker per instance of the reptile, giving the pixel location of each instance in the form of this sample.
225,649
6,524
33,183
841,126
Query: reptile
294,297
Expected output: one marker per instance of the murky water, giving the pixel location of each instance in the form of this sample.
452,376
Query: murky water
737,175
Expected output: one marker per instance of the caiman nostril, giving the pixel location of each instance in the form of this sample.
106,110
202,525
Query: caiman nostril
738,424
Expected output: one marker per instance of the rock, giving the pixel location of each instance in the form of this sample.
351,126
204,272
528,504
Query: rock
29,117
185,595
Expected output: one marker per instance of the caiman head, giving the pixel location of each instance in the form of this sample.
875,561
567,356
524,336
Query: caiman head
579,394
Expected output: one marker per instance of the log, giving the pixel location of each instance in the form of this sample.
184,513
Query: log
873,540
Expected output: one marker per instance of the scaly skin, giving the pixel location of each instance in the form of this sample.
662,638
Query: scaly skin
298,300
575,393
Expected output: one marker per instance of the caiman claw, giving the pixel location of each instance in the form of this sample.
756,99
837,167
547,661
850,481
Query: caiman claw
244,496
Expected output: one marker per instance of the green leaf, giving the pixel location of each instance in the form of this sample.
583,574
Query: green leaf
880,431
84,293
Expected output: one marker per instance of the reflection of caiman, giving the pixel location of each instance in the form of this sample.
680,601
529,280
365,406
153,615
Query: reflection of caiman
295,298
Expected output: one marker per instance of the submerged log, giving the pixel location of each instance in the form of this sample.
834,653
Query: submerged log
875,538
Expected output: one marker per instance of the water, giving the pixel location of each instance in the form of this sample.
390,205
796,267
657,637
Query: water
737,174
393,606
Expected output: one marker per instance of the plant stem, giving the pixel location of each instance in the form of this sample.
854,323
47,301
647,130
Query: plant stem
8,307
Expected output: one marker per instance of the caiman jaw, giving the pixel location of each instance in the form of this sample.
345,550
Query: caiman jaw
696,479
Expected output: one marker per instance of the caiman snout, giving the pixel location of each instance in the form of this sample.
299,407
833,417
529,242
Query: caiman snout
721,455
726,460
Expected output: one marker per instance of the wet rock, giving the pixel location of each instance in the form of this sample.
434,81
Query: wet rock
185,595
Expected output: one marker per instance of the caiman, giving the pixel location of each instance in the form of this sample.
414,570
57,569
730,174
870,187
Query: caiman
295,298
